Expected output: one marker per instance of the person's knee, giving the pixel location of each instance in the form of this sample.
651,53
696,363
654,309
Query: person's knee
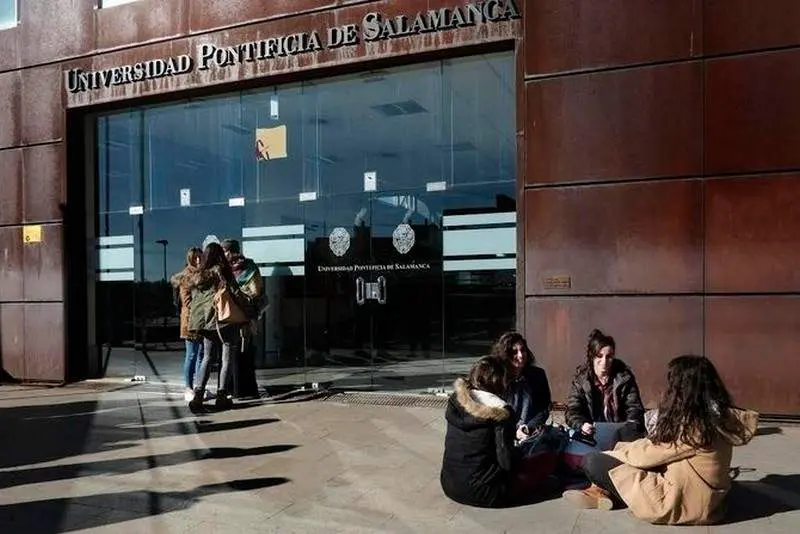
592,462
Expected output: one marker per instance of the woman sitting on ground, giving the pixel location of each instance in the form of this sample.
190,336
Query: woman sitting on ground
528,392
479,441
604,390
680,473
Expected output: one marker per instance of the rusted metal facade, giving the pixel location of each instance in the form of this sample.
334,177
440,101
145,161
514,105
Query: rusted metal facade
657,192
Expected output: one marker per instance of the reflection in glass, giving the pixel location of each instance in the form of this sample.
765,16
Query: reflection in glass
407,174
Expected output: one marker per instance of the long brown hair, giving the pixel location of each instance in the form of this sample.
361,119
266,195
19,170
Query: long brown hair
696,405
504,348
489,374
214,256
597,342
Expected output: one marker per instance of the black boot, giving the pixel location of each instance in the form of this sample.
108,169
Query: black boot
222,401
196,404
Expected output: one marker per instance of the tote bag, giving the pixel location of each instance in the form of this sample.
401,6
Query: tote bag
227,309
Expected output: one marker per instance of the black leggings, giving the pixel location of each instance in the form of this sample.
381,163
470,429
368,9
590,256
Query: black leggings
596,465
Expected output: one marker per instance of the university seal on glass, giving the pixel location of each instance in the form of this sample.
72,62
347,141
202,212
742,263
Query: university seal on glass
339,241
403,238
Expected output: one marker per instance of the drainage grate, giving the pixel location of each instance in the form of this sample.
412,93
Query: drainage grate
387,399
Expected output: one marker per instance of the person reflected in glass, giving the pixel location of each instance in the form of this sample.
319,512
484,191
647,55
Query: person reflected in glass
194,342
680,473
528,391
218,338
604,390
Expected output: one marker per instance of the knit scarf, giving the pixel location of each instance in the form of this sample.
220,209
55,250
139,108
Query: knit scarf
609,402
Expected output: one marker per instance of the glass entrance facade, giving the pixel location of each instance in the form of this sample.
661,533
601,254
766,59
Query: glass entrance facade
380,208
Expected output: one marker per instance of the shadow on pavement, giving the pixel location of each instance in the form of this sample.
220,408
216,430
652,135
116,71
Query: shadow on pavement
773,494
130,465
108,509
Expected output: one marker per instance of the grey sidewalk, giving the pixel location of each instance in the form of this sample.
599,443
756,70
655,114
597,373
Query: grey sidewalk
134,460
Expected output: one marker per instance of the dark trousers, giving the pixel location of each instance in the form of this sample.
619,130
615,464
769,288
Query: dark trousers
596,465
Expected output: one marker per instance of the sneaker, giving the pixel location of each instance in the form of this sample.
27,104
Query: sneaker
188,395
592,497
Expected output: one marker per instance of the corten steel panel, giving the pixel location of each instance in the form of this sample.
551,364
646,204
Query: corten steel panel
45,341
320,21
11,266
44,272
10,186
753,234
649,332
55,29
44,167
753,113
42,105
741,25
12,339
753,343
564,35
10,118
141,21
9,44
639,123
210,14
632,238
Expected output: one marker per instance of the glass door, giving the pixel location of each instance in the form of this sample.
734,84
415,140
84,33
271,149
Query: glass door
374,286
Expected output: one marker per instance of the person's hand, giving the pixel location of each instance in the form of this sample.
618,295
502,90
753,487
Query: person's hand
522,433
588,429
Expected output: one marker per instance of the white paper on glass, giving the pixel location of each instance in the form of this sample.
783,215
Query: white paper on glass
136,210
236,202
274,112
370,181
186,197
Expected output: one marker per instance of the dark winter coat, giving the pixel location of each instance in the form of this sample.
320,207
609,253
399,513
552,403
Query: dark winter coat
477,448
584,398
529,397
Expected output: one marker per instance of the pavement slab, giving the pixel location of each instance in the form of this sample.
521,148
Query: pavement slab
133,459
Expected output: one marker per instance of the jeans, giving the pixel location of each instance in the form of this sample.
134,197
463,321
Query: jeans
596,465
193,361
231,340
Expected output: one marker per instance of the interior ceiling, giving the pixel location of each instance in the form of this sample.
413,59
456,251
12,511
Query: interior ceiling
461,106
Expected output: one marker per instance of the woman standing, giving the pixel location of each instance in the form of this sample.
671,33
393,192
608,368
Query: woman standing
528,391
194,343
680,474
604,390
213,276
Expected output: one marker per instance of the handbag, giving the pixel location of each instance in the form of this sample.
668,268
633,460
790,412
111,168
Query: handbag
227,309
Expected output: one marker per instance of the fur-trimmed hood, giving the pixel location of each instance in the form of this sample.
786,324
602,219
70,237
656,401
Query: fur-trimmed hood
471,408
177,279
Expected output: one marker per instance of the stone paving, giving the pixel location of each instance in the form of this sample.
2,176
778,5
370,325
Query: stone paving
83,459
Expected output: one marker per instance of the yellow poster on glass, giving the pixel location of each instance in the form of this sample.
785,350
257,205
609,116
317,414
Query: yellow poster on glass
271,143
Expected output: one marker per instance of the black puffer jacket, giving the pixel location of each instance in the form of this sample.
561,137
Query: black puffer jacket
584,398
477,448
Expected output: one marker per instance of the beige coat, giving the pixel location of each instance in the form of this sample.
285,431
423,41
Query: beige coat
676,484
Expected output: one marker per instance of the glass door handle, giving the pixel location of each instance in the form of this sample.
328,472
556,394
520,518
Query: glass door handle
360,291
381,290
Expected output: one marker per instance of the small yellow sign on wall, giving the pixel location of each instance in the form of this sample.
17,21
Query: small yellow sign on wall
32,233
